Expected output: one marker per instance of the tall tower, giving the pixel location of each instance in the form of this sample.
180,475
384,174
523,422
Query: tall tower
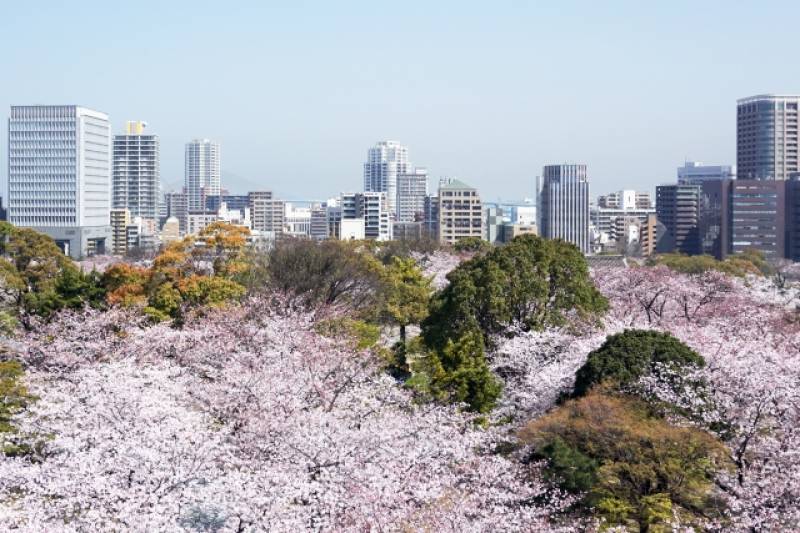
59,175
564,204
767,137
135,179
202,172
385,161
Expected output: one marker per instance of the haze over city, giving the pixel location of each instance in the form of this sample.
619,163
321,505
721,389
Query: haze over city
295,93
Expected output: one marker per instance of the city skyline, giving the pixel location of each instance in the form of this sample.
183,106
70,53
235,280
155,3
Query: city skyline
488,98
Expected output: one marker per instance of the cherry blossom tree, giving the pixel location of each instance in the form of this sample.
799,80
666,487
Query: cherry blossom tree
247,419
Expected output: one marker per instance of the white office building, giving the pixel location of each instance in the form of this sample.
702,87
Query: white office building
412,188
59,175
202,172
372,208
696,173
385,161
135,180
297,220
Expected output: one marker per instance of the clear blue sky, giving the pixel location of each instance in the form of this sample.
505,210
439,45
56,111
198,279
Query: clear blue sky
296,91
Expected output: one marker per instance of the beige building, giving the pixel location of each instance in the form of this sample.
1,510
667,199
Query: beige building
120,220
171,231
515,230
267,213
460,212
647,236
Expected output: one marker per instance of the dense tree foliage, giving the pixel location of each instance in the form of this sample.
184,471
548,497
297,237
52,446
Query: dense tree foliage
530,282
191,273
458,373
471,244
636,470
625,357
37,279
326,273
14,397
740,265
404,294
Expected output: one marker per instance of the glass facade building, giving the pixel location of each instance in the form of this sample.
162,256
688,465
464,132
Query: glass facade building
767,137
564,204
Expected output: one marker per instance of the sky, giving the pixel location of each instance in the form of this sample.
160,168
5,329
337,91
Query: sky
489,92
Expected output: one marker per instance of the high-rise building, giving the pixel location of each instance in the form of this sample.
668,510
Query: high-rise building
713,223
120,220
460,212
59,175
677,211
696,173
385,161
412,188
135,179
758,217
793,219
319,222
267,213
564,204
373,208
203,177
648,233
767,137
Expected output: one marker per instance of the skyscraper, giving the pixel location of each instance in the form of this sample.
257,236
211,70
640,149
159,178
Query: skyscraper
202,172
385,161
767,136
135,180
59,175
564,204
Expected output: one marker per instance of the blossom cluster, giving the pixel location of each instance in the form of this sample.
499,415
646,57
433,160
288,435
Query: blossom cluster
247,419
